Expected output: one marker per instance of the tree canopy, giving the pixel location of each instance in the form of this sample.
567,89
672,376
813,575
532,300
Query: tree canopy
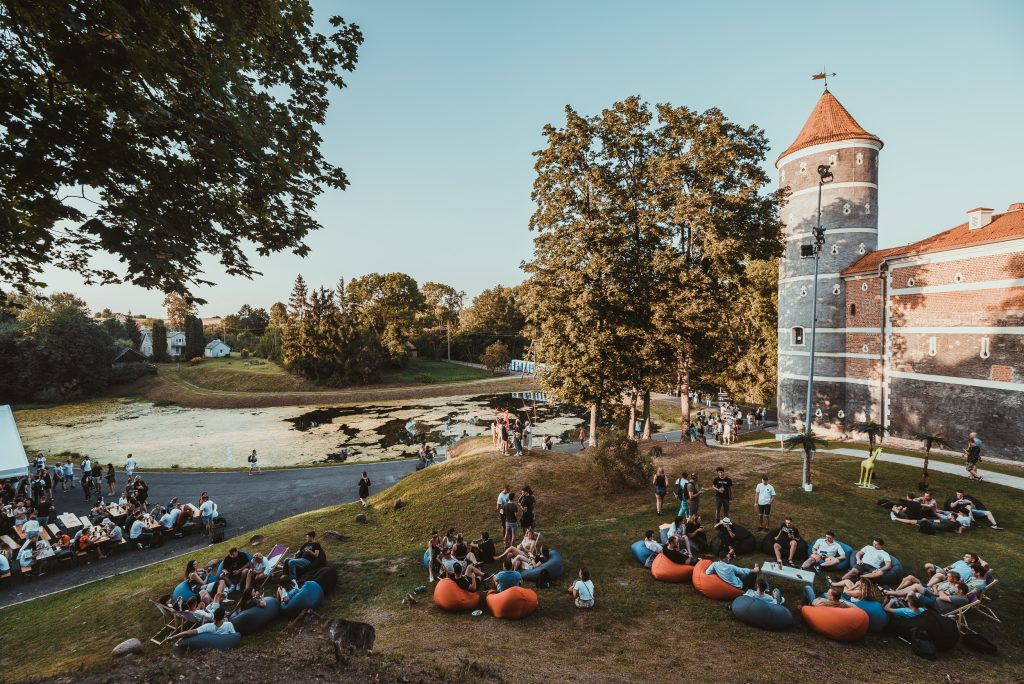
159,132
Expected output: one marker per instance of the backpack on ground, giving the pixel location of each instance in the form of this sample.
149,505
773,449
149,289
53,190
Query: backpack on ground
922,645
544,580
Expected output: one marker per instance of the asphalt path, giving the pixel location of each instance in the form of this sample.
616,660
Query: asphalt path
246,501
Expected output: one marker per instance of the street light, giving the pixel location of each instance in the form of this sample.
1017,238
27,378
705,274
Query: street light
825,176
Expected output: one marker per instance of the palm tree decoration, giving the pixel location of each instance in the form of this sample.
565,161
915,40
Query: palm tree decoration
808,442
874,431
930,439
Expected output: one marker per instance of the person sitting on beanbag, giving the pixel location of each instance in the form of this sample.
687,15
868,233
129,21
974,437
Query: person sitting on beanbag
871,561
653,546
833,599
741,578
465,582
859,589
674,554
760,592
286,588
483,547
218,626
788,537
912,609
825,553
507,578
726,538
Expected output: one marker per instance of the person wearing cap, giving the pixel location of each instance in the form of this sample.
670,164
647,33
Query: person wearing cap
871,561
259,568
726,538
787,537
723,492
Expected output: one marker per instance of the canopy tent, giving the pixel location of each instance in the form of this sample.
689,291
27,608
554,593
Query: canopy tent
13,461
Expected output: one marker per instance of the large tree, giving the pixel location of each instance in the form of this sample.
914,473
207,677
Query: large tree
389,304
195,339
178,307
159,337
444,307
159,132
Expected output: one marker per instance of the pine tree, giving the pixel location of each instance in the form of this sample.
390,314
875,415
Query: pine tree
293,351
132,332
159,341
195,339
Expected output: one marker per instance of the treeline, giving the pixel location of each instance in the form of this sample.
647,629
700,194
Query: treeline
655,259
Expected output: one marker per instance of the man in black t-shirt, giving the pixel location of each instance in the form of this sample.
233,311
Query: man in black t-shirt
235,567
467,583
788,537
309,555
673,553
723,493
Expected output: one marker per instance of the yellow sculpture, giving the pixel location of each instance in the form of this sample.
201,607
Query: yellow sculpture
867,469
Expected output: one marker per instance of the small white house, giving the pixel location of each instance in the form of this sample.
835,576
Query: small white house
175,343
217,349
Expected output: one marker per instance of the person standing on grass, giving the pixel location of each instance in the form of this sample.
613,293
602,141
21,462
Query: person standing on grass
364,490
583,437
693,492
129,466
511,509
254,463
764,496
660,487
723,493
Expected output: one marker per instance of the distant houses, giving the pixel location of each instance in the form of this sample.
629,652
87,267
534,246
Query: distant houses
217,349
175,343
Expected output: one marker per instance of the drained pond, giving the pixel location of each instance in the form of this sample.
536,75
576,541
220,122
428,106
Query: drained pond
162,437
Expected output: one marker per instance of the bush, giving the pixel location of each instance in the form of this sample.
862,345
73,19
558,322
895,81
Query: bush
131,372
195,360
621,460
496,356
244,354
423,378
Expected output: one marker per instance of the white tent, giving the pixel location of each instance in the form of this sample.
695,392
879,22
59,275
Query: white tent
13,462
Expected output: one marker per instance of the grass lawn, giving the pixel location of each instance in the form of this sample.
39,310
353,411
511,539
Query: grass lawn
439,371
234,374
639,629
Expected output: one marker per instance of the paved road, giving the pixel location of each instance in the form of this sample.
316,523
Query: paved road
247,501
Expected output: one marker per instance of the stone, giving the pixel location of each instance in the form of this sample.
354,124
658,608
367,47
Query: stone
334,535
127,647
255,540
399,504
361,518
349,637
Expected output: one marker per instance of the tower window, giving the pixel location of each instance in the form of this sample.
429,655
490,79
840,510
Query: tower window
835,289
863,287
958,278
803,167
846,208
797,336
911,282
984,348
860,158
867,208
853,309
834,250
933,346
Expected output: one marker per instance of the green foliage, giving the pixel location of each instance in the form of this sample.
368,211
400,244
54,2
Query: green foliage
270,344
389,305
159,342
130,373
874,431
192,128
132,332
495,314
621,459
244,354
424,378
195,339
496,356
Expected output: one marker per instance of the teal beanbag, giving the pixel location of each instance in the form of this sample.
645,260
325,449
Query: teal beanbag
553,565
310,595
209,642
878,619
182,592
763,614
254,619
641,552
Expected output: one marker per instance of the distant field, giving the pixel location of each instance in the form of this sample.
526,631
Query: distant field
233,374
439,371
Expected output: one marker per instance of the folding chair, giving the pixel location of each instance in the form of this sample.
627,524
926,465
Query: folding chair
983,607
959,616
274,559
173,623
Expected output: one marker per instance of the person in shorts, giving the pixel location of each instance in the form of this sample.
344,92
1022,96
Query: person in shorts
764,495
972,452
871,562
511,510
825,553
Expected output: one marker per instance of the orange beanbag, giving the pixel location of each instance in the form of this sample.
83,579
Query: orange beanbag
841,624
664,570
713,586
514,603
450,596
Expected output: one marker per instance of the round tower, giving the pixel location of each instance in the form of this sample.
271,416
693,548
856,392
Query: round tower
849,215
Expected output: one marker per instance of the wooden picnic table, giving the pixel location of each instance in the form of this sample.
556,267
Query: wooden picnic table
117,511
43,534
44,550
70,521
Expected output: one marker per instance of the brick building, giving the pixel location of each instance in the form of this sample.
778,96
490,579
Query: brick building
929,335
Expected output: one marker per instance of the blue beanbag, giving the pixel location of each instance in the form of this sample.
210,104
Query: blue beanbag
664,535
310,595
553,565
642,553
207,642
895,574
254,619
763,614
426,558
182,591
878,619
941,630
843,564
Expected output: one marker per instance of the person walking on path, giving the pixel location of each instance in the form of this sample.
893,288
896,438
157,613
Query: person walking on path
583,438
364,490
129,466
973,455
254,463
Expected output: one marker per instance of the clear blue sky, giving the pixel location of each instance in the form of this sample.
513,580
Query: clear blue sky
438,123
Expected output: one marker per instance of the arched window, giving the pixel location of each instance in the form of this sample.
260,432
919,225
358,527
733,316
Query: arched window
933,346
853,309
984,348
796,336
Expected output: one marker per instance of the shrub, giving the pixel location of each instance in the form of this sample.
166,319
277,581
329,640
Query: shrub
131,372
621,460
195,360
423,378
496,356
244,354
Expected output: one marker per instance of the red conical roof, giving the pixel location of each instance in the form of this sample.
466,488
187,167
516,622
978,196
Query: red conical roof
829,122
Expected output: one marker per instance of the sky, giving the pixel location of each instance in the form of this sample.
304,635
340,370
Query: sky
437,125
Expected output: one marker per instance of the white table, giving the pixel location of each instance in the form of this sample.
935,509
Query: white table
789,573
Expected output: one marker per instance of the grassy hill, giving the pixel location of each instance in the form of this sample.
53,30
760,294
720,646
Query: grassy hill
640,629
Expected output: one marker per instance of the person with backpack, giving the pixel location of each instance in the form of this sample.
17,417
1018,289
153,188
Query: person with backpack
679,490
254,463
972,452
582,590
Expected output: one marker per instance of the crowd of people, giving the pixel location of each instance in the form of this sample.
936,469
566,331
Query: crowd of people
36,537
511,434
957,514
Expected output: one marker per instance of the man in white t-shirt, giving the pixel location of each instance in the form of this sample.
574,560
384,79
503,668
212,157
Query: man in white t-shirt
764,496
871,562
218,626
825,553
129,465
208,511
653,546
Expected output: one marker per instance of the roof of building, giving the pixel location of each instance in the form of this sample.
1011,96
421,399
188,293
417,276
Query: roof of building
129,355
213,344
829,122
1007,226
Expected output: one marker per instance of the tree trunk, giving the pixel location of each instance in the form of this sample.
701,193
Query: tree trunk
448,334
807,466
630,431
684,396
594,410
647,415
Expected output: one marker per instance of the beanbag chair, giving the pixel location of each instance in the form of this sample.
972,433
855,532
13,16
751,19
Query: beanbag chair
941,630
768,548
744,543
878,619
451,597
664,535
254,619
514,603
641,552
843,564
326,577
209,642
664,570
894,576
182,591
841,624
310,595
553,565
426,558
763,614
713,586
698,542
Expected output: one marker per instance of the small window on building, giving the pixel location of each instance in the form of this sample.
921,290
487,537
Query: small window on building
984,348
863,287
864,348
803,291
834,250
861,249
841,414
797,336
860,158
958,278
803,167
853,309
933,346
835,289
911,282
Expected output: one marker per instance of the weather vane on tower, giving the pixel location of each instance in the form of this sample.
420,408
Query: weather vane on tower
823,75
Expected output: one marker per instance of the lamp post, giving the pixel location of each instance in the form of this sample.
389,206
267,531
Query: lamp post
825,175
